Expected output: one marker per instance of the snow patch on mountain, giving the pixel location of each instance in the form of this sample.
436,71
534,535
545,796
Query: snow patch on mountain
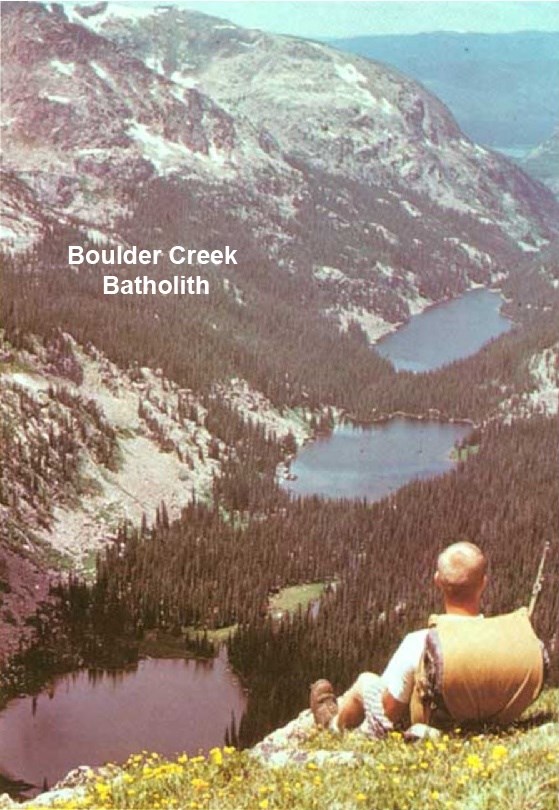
527,247
188,82
411,209
56,99
66,68
166,156
155,64
100,71
384,269
390,237
325,273
113,10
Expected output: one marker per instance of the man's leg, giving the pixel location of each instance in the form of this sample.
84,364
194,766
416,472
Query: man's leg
361,705
362,698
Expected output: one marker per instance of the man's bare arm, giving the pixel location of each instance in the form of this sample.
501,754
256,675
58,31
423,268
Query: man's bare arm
393,709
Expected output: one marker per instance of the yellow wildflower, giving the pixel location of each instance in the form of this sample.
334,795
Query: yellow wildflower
474,762
499,752
216,756
102,789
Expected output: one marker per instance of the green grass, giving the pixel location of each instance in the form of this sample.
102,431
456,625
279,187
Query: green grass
218,636
88,565
464,452
164,645
514,769
289,599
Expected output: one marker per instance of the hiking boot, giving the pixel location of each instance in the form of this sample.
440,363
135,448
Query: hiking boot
324,705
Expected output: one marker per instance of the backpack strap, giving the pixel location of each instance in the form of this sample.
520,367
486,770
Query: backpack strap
427,703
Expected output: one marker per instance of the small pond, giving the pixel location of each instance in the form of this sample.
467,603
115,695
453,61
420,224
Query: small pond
89,718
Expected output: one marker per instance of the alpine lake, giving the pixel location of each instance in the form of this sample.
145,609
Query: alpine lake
170,705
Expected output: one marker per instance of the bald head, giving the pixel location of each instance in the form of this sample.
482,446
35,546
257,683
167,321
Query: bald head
461,570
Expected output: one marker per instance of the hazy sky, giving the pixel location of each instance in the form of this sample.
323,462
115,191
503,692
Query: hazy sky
317,18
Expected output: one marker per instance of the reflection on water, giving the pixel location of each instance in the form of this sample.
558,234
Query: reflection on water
93,717
372,462
446,332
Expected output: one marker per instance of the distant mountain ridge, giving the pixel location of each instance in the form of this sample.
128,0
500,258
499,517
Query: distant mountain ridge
503,89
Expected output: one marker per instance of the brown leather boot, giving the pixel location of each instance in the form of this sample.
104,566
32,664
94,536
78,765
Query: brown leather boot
324,705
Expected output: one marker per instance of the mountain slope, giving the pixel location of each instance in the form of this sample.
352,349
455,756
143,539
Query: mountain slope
344,172
502,88
340,114
87,446
543,162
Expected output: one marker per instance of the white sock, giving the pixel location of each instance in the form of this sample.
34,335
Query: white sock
333,725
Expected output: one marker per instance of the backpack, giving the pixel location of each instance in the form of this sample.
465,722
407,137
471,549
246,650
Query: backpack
477,670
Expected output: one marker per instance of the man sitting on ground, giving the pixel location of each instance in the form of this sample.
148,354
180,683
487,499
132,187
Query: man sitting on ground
376,703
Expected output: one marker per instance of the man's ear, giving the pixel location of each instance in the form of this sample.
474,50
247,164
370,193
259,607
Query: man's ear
484,583
437,579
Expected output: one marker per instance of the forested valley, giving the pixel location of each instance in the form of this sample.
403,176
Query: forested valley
217,566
